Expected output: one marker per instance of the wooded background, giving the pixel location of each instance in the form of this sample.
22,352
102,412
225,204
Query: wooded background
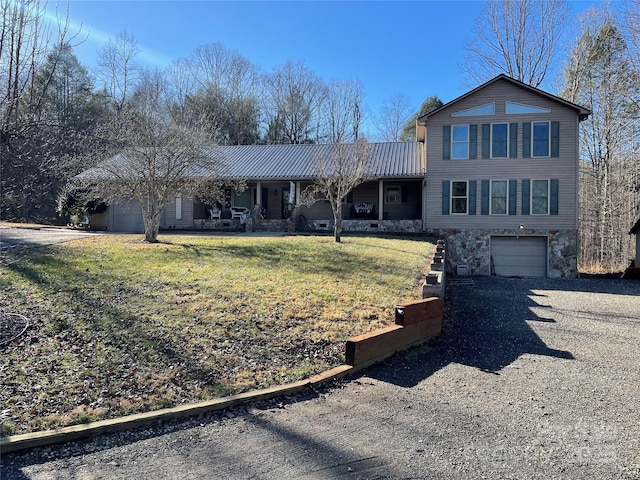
57,120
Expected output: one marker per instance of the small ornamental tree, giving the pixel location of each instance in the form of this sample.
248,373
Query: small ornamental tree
159,159
339,170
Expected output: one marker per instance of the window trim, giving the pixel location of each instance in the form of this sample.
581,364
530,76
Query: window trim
491,155
467,141
506,198
548,180
386,194
533,124
452,197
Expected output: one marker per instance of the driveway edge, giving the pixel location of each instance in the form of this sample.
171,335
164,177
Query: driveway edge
45,438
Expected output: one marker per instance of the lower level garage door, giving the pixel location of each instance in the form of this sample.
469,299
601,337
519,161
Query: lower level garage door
519,256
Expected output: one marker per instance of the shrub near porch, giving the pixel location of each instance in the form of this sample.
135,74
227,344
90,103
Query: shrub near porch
119,326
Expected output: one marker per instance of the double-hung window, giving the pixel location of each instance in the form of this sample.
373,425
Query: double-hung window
459,197
540,139
460,142
540,197
499,197
499,140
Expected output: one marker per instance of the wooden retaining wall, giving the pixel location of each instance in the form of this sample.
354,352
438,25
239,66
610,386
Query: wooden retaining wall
416,322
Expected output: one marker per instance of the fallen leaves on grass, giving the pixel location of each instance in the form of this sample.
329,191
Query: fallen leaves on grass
120,327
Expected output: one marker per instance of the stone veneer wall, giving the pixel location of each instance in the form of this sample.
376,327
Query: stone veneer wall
218,224
473,248
394,226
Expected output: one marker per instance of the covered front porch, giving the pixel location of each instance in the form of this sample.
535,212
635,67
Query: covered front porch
382,205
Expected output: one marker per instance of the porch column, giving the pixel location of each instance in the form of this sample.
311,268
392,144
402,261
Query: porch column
258,193
380,199
297,193
424,203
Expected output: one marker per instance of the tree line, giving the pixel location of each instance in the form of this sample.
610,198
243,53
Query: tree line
56,118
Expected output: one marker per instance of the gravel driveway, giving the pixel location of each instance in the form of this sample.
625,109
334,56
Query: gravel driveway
531,379
11,237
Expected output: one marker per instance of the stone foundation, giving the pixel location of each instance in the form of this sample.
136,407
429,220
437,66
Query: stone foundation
218,224
392,226
473,248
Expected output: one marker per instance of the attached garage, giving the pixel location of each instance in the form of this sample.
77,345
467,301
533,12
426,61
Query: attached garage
127,217
519,256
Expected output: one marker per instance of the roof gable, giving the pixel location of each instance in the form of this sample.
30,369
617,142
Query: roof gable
582,112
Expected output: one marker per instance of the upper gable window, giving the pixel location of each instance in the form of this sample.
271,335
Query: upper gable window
512,108
487,109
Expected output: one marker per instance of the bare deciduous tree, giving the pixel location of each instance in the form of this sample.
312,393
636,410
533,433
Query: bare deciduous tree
226,87
294,95
517,37
159,159
119,70
342,110
26,38
392,117
600,76
343,167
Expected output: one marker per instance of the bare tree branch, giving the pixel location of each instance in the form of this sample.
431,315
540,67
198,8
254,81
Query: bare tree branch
343,167
517,37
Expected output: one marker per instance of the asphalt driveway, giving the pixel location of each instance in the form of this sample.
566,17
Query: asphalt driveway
531,379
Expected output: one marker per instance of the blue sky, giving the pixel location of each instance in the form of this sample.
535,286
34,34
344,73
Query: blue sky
413,48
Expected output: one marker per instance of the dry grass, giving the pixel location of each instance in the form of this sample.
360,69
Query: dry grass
119,326
597,268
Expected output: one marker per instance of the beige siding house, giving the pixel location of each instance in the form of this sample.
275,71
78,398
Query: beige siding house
502,180
494,171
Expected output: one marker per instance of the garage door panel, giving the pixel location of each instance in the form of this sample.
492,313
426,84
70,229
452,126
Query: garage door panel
519,256
127,217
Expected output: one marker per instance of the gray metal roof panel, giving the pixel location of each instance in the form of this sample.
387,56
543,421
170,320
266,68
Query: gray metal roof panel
292,162
264,162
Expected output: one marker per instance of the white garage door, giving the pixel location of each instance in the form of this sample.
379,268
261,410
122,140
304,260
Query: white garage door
519,256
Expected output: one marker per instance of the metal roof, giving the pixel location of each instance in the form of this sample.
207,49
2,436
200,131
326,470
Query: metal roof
295,162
